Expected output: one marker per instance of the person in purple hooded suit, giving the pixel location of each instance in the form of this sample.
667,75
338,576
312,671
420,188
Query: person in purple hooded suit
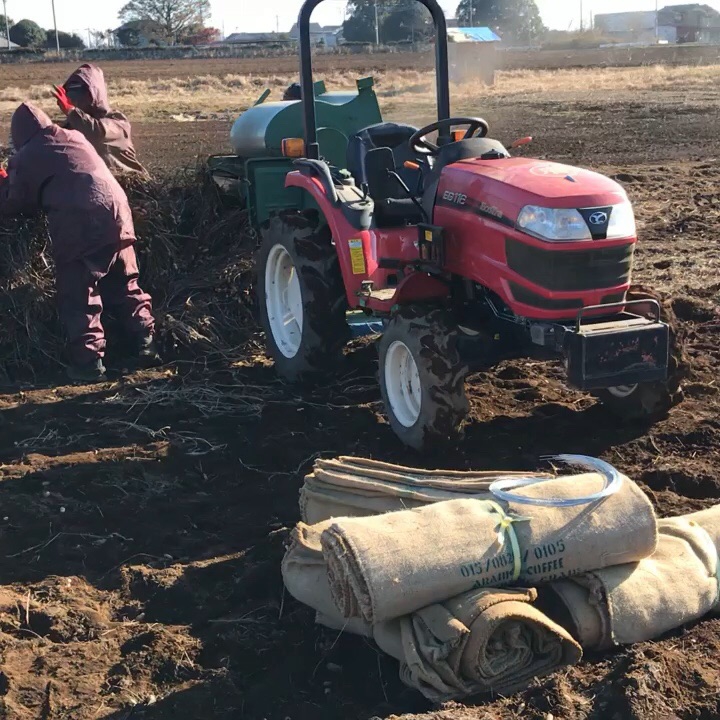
84,101
92,234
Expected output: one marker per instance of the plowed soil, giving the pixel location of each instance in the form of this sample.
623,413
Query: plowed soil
142,522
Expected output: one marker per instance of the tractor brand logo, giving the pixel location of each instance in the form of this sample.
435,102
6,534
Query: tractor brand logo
454,197
598,218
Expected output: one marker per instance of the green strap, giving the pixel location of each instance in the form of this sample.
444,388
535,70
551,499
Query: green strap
505,527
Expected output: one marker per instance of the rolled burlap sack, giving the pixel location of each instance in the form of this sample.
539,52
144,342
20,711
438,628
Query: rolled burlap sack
387,566
304,570
641,601
305,576
479,642
482,641
709,521
357,487
573,606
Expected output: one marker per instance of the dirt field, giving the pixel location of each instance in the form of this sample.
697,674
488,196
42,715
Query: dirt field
142,522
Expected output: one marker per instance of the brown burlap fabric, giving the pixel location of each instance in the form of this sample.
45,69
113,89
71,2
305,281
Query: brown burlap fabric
390,565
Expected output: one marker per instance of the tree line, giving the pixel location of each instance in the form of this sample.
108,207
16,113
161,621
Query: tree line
153,22
408,20
29,34
176,22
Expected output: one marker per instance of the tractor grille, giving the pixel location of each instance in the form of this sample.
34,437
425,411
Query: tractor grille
570,270
528,297
614,298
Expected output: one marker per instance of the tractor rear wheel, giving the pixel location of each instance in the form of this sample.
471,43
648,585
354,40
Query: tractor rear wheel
301,295
651,401
422,378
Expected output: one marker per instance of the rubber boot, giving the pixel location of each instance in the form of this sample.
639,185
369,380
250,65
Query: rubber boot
88,373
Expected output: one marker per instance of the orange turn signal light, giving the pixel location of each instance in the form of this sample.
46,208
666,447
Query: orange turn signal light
293,147
410,165
457,135
521,142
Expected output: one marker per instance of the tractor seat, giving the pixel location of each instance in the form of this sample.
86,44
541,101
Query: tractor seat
393,208
373,152
383,135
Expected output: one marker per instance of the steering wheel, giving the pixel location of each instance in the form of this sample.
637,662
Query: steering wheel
476,127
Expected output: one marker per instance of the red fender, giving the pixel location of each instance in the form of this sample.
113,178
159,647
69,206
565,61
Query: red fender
358,254
342,233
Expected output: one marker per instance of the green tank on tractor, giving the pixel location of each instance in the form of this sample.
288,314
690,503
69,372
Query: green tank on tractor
256,172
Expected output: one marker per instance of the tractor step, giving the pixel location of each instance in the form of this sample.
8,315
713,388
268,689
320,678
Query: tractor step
362,325
383,295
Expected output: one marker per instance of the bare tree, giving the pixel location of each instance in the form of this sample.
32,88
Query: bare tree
175,16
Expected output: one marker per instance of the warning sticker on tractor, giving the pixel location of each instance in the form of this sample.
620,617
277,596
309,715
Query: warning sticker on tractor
357,257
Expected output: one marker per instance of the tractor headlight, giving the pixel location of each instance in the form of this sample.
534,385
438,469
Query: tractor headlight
553,223
622,222
560,224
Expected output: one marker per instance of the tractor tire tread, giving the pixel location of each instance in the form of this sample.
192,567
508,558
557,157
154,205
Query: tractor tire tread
444,402
325,330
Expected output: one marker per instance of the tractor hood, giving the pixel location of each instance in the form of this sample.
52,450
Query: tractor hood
508,185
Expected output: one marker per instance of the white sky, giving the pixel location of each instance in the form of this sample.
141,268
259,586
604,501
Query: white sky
248,16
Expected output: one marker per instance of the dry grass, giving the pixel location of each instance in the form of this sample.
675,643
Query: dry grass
655,77
204,96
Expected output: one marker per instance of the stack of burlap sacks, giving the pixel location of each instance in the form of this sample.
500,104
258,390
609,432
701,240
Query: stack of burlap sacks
451,582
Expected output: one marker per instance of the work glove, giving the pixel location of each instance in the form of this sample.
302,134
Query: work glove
62,99
3,173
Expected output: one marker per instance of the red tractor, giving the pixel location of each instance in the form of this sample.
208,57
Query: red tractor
463,255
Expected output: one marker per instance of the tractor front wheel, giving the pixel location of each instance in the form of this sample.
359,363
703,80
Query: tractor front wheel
422,378
648,401
301,296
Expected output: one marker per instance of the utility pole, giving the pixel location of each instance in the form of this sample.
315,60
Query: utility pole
57,37
582,21
277,24
377,29
472,9
657,23
7,25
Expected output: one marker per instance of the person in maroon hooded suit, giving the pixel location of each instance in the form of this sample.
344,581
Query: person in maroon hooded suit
92,233
84,100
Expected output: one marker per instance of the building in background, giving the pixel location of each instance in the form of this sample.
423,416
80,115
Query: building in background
4,44
329,35
636,27
694,23
472,53
246,38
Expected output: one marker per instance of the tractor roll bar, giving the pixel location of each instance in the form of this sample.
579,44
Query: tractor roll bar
312,149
